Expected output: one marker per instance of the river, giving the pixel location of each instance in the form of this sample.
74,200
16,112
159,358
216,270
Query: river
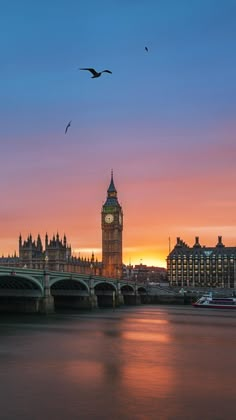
143,362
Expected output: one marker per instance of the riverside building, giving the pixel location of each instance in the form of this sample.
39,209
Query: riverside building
201,266
56,254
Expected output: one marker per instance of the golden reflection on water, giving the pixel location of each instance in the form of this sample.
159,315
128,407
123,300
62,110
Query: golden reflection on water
146,374
146,336
147,321
145,380
87,371
153,321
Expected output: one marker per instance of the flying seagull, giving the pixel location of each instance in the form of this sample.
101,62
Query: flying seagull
96,73
146,49
68,125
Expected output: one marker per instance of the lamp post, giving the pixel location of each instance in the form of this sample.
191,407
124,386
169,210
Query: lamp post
90,279
92,296
47,292
135,285
46,262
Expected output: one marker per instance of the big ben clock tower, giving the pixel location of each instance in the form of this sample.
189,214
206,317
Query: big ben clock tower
112,226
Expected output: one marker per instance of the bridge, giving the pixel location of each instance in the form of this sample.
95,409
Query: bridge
43,291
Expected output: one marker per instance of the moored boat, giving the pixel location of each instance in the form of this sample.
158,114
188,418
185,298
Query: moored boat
208,301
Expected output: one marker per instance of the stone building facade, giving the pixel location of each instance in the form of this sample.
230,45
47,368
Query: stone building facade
112,227
201,266
55,255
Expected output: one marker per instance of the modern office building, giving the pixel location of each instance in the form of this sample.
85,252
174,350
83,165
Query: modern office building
201,266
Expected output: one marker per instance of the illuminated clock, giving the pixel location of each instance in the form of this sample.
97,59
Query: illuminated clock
109,218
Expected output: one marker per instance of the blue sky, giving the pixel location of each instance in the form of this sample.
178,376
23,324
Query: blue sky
189,69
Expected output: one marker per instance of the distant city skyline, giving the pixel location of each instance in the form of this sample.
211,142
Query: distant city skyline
164,121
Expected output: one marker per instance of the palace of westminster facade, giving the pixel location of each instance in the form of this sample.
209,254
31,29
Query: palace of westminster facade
56,255
196,266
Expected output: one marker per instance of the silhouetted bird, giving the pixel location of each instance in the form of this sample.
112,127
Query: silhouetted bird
96,73
68,125
146,49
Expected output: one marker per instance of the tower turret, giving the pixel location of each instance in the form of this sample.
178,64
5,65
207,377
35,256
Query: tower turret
46,241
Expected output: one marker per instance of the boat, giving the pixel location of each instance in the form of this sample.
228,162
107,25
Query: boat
208,301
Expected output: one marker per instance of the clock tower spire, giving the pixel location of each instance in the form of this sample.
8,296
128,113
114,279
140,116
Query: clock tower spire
112,227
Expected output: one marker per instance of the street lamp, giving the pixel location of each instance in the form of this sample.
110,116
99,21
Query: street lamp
46,262
136,276
90,277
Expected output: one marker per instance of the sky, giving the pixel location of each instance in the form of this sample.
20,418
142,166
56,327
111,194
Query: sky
164,121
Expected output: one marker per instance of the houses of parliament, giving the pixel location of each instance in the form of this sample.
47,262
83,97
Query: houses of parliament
197,266
56,254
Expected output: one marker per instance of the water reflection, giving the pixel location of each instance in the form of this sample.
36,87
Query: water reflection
159,380
85,371
146,336
152,321
135,364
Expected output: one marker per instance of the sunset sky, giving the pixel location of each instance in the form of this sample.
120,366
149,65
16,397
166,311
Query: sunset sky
164,121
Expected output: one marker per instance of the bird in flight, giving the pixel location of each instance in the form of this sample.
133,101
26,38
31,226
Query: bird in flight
68,125
146,49
96,73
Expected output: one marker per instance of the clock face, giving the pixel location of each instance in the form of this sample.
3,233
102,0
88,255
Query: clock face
109,218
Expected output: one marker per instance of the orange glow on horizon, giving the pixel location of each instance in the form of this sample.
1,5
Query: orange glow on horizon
149,256
169,200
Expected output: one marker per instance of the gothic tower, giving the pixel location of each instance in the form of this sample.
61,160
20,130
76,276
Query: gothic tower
112,226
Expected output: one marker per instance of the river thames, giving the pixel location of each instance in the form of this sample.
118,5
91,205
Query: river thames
143,362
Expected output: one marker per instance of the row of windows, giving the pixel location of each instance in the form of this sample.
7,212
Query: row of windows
201,274
204,284
232,258
202,263
173,262
202,269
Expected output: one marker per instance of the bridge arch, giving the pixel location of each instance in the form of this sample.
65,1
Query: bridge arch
127,289
67,283
20,293
105,285
142,290
18,282
69,293
105,292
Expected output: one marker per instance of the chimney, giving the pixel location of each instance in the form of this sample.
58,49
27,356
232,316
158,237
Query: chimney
197,244
220,241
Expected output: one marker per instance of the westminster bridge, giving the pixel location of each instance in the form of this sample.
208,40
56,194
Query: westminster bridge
43,291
